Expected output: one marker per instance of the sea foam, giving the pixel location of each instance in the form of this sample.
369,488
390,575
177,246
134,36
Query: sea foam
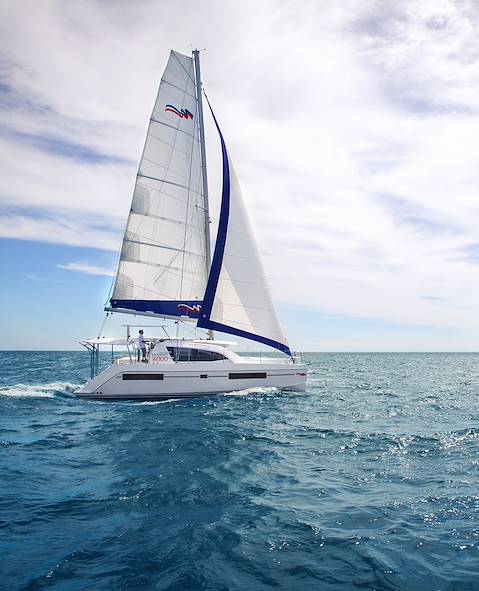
38,390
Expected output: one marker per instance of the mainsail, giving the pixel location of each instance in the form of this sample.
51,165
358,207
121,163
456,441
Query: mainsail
163,264
237,299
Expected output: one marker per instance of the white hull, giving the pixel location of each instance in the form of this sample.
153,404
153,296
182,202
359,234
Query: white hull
145,381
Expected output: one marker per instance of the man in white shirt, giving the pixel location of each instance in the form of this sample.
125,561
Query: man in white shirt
141,346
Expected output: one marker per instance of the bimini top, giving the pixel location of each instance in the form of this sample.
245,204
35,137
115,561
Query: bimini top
115,341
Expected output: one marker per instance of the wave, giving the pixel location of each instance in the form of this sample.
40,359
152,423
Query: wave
39,390
253,390
156,402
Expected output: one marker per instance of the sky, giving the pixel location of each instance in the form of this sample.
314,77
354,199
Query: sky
353,126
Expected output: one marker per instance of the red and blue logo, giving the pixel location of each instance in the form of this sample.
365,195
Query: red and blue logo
195,308
183,113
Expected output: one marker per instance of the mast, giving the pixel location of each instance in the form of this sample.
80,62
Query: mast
196,58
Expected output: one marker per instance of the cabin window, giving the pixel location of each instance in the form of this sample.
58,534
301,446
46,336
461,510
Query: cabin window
142,376
188,354
245,376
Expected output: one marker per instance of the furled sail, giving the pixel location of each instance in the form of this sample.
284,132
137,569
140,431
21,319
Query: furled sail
163,266
237,299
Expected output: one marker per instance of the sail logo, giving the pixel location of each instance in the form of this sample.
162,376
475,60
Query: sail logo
182,113
196,308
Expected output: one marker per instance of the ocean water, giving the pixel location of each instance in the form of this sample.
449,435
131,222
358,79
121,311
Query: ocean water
369,480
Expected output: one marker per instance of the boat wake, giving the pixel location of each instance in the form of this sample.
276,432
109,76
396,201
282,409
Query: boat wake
156,402
39,390
253,390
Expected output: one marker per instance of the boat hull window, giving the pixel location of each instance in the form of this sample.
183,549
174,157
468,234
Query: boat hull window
246,376
142,376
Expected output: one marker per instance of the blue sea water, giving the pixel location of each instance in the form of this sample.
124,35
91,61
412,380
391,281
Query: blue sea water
369,480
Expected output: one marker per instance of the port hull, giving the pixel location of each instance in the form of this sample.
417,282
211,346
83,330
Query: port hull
142,381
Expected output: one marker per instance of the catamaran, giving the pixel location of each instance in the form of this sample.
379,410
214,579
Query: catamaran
165,269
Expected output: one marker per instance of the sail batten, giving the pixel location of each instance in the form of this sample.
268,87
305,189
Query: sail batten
165,227
170,126
179,250
177,87
159,217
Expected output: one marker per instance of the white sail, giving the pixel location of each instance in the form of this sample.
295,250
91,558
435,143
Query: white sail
238,300
162,267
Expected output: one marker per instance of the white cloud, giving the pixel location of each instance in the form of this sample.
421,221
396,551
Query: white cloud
87,269
34,277
72,231
352,126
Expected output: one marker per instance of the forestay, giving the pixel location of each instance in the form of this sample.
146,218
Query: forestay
162,267
238,300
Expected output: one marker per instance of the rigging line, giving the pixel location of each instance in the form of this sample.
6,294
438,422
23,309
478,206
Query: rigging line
191,329
118,261
166,143
235,280
166,268
177,322
189,189
194,187
200,129
132,241
171,127
167,172
185,223
102,325
187,209
162,273
154,292
152,178
166,194
158,217
117,265
170,196
177,87
187,73
170,154
191,271
173,146
167,169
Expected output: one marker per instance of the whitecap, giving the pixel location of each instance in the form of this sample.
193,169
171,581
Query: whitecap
38,390
155,402
253,390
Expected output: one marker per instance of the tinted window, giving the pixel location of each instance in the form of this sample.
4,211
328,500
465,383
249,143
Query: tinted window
246,376
188,354
142,376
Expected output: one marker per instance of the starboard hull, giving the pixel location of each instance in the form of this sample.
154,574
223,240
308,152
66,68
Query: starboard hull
157,382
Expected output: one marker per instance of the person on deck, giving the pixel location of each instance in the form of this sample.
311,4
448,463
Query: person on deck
141,346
